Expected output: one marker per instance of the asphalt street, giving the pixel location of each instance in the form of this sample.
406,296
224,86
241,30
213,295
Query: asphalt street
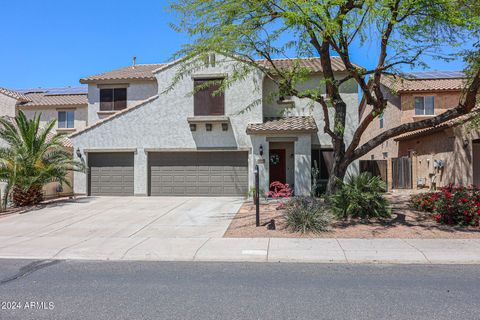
196,290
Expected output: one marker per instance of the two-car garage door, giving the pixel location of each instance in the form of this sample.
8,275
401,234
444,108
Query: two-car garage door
171,174
198,173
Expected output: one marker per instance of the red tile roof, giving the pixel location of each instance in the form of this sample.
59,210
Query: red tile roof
45,100
303,124
399,84
14,94
145,71
448,124
313,64
139,72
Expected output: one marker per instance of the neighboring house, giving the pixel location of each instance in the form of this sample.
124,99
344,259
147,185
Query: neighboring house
66,105
439,156
178,143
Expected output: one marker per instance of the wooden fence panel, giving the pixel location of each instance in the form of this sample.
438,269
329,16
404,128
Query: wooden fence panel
402,173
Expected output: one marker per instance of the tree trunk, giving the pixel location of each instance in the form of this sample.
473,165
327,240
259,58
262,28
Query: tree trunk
32,196
337,174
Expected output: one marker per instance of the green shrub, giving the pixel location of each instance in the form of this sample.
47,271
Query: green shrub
361,196
307,214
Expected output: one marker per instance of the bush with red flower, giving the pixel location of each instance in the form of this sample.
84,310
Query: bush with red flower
279,190
424,201
453,205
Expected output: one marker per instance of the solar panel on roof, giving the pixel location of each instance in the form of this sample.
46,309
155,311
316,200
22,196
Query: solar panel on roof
56,91
67,90
436,74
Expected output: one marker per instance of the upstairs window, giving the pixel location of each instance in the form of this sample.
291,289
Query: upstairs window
424,105
208,101
66,119
381,120
113,99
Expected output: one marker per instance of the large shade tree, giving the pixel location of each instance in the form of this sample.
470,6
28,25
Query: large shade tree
401,32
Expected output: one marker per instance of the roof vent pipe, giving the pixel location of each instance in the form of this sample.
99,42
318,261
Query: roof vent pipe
134,62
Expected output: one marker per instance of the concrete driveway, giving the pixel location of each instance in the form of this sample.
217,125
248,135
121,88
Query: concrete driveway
126,217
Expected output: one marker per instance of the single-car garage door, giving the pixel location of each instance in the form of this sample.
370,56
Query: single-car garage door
110,174
198,173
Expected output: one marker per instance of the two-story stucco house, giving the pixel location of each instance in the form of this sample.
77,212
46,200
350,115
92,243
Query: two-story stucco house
68,106
442,155
143,139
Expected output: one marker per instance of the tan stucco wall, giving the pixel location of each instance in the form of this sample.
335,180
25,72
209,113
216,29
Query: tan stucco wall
453,146
48,113
401,109
443,102
7,105
391,118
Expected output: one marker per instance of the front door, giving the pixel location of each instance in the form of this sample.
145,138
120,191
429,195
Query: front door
277,170
476,162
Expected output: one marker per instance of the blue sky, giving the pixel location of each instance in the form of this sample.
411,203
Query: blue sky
53,43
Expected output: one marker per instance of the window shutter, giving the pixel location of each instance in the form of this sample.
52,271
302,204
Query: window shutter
205,103
106,99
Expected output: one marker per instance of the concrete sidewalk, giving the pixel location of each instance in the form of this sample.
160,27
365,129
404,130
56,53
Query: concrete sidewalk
421,251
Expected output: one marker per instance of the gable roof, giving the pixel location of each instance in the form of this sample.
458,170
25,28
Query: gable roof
312,63
14,94
146,71
137,72
44,97
426,81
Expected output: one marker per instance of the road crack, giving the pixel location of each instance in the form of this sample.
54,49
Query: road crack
29,269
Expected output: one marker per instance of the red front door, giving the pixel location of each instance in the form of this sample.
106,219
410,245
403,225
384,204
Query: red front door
277,165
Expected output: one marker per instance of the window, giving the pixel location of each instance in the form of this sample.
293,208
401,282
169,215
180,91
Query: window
113,99
66,119
425,105
381,120
385,155
206,101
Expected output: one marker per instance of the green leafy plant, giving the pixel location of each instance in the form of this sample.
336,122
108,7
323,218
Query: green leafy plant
361,196
318,188
252,191
34,156
307,214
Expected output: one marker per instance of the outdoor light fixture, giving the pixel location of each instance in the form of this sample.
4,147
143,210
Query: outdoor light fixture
79,154
260,150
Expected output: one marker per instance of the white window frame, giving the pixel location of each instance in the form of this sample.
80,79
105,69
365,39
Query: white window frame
66,119
424,105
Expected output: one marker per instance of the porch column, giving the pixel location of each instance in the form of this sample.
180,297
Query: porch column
262,162
303,165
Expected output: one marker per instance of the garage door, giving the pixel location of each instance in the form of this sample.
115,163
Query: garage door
198,173
110,174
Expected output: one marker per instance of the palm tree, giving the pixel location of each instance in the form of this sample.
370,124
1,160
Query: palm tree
34,156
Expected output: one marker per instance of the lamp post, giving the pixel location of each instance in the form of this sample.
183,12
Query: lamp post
257,197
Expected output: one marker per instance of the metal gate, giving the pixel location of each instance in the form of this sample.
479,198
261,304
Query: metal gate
402,173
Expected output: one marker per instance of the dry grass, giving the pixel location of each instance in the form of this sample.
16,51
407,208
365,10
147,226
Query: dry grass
404,223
